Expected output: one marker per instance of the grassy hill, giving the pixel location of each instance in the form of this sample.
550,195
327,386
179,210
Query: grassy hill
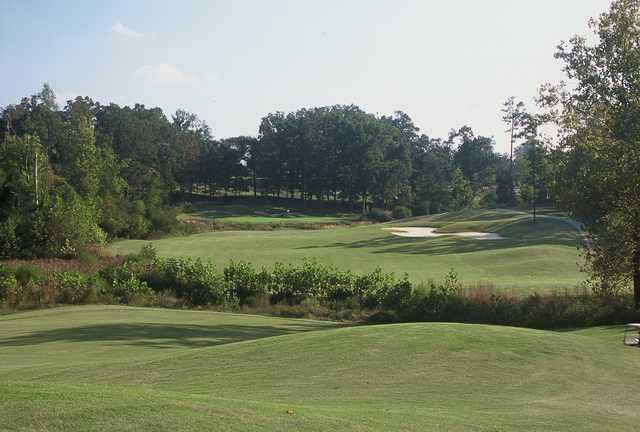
117,368
532,257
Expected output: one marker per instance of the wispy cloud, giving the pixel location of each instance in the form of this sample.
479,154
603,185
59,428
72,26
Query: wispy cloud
123,30
163,73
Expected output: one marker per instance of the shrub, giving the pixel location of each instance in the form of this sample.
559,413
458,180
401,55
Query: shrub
293,284
163,220
73,287
148,253
380,215
87,257
398,296
340,287
196,282
8,283
128,288
8,237
138,225
370,288
244,283
71,224
488,199
123,281
402,212
27,274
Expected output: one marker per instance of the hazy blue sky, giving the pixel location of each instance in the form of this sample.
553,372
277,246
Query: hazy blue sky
445,63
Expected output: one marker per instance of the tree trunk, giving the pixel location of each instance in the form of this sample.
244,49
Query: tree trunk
255,185
636,272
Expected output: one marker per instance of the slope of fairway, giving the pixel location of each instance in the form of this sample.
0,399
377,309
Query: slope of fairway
307,376
249,212
532,257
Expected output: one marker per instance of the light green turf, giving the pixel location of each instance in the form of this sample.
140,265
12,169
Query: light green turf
116,368
533,257
245,213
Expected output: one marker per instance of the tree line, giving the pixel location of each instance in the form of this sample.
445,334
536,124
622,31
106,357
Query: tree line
86,172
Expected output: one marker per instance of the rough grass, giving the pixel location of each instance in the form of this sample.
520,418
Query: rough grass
115,368
539,257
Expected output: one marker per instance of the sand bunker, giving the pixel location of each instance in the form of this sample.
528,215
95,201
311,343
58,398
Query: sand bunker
422,232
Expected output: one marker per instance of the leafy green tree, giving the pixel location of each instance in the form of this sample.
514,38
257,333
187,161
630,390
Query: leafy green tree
474,157
599,118
189,138
80,162
70,223
461,191
24,184
432,166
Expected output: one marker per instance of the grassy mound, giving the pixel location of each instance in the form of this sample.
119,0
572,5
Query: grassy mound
108,368
533,257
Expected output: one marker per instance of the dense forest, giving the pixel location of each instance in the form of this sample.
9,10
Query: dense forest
87,172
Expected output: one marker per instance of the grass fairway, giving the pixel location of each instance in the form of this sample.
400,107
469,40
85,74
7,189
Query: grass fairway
262,213
532,257
102,368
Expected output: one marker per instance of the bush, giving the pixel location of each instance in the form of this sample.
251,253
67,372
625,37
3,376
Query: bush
8,238
312,289
28,275
371,288
198,283
73,287
130,288
163,220
71,224
244,283
138,226
488,199
8,283
87,257
123,281
402,212
380,215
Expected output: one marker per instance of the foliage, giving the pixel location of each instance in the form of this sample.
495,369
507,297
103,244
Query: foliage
70,224
598,119
8,283
245,283
114,171
402,212
73,287
380,215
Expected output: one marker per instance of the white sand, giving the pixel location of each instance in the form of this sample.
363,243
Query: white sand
422,232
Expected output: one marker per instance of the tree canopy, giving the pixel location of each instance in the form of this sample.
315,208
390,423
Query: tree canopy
598,115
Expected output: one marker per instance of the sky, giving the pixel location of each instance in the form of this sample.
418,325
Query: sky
445,63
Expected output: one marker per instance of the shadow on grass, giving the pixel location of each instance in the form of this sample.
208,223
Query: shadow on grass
157,335
517,234
444,245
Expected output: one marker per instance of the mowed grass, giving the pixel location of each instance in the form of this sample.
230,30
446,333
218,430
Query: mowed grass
253,213
540,257
102,368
